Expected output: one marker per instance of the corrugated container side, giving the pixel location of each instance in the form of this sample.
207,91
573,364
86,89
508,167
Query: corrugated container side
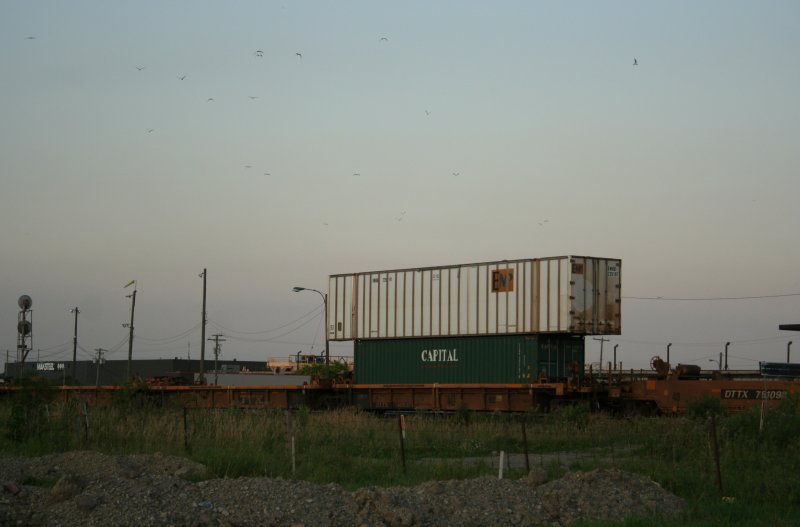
568,294
509,359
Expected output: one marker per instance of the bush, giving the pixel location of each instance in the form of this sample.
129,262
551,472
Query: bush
704,407
324,371
575,414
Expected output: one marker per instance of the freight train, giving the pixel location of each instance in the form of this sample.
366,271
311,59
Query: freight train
629,392
495,336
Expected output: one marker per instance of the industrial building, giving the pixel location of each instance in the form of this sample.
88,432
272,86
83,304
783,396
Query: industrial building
115,372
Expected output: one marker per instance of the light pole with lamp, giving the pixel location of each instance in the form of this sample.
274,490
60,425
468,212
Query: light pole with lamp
325,304
726,354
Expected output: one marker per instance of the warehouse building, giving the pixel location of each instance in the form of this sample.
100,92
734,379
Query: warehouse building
115,372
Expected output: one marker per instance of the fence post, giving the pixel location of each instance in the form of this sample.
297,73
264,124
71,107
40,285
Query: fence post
290,438
293,458
716,450
402,422
525,446
86,423
185,432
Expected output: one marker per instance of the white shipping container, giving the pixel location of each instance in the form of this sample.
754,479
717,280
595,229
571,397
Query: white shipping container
565,294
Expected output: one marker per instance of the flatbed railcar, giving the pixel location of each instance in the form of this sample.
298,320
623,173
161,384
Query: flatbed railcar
628,392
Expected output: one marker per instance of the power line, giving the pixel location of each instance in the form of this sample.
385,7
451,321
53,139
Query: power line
169,340
151,351
118,346
56,346
312,312
51,354
709,298
85,352
273,339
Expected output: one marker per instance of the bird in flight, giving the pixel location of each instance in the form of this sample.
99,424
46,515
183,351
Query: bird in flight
140,68
181,77
30,38
258,53
456,174
210,99
253,97
248,166
384,39
299,54
150,130
427,112
356,174
635,62
267,174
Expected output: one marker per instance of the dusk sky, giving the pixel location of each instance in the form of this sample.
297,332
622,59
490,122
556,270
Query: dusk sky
277,143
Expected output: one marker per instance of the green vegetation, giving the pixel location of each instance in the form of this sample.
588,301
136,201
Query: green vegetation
759,454
322,371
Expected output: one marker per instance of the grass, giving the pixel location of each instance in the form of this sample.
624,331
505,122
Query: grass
760,465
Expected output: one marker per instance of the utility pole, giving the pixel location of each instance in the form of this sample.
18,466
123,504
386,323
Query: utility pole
99,360
132,296
668,347
203,275
788,350
602,340
615,356
74,343
217,338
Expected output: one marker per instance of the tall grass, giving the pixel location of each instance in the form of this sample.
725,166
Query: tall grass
760,459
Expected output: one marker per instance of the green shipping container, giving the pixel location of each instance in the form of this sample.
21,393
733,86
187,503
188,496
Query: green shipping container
506,359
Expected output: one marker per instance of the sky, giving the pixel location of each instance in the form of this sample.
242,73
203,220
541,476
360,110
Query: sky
277,143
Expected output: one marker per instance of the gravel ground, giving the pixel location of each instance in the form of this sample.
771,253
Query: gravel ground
153,490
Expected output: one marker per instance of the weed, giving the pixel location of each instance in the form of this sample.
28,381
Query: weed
759,454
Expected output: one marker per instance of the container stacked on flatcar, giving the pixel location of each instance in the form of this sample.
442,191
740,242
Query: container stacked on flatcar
510,321
502,359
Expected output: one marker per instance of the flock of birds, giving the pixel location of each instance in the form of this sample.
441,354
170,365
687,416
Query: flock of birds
259,53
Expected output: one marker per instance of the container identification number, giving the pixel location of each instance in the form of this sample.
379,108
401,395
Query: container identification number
772,395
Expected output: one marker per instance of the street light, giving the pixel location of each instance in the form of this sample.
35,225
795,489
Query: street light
325,304
726,354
